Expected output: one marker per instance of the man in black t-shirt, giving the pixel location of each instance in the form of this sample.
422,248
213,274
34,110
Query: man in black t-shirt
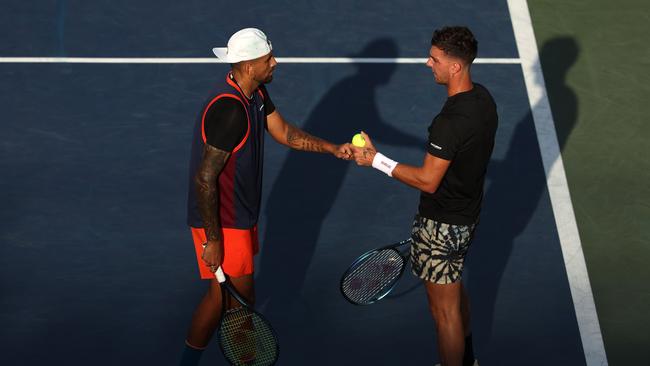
461,138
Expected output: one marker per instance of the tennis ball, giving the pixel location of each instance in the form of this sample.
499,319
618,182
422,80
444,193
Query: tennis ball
358,140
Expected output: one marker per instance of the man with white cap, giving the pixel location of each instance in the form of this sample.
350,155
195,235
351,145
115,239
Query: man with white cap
226,174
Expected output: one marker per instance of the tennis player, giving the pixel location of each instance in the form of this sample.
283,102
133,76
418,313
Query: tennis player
226,174
461,138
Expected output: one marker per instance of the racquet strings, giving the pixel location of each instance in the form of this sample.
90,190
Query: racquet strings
247,339
373,277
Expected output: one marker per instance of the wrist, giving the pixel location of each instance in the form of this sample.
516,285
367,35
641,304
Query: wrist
384,164
214,241
330,148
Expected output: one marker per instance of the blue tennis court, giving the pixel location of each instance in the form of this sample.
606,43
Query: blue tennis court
96,261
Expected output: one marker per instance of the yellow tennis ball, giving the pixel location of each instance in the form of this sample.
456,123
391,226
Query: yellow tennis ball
358,140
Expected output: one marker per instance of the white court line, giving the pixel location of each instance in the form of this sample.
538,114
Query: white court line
214,60
574,260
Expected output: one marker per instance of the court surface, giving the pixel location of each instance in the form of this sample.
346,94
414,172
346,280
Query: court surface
97,265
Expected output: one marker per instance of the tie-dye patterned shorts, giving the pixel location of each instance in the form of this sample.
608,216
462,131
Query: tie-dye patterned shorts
438,250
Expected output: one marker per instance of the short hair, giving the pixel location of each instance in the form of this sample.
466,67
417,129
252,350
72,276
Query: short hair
457,42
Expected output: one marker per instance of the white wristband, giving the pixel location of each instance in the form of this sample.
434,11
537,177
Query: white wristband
384,164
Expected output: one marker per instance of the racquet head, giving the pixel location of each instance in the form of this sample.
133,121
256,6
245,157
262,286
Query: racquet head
246,338
372,276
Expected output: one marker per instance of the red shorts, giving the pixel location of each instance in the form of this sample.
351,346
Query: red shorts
239,247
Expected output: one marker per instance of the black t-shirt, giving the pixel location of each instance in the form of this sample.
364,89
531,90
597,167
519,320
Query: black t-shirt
226,123
463,132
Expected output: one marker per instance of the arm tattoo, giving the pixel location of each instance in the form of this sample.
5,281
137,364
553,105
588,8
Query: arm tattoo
300,140
207,189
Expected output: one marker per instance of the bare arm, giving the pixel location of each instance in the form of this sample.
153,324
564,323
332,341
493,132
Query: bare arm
207,189
289,135
426,178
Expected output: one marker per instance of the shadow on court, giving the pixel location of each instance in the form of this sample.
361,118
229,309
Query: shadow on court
515,187
308,184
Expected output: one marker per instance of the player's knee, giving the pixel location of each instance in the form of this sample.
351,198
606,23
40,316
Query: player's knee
444,313
213,294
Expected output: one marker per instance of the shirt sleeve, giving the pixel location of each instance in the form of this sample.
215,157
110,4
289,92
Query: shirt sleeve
443,141
225,124
269,107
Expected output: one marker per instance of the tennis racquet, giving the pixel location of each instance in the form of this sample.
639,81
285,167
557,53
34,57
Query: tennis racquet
374,274
245,337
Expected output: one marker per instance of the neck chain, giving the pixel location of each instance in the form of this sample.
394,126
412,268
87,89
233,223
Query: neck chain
232,77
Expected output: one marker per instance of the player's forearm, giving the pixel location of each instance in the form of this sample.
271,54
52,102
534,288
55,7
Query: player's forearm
207,189
208,202
300,140
414,177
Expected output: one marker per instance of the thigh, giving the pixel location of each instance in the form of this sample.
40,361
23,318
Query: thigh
245,286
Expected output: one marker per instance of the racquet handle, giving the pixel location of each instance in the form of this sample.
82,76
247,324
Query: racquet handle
220,276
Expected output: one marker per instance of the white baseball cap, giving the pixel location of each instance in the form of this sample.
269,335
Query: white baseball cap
246,44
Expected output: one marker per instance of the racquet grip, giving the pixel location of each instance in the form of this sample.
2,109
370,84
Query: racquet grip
220,276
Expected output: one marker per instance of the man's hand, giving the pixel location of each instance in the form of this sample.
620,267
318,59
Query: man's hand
213,254
364,155
344,151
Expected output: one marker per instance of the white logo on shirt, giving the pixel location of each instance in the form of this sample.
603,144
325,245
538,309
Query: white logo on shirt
435,146
262,106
